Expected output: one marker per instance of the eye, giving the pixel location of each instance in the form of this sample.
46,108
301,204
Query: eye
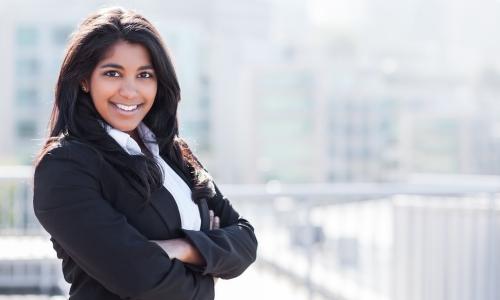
112,74
145,75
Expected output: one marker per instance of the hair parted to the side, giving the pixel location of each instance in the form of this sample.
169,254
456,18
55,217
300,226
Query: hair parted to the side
74,116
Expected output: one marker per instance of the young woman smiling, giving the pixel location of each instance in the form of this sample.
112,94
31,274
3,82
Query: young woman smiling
130,210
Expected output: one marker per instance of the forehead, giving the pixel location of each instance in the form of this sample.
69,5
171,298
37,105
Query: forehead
126,54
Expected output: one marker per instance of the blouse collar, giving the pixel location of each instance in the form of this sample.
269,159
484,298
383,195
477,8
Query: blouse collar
129,144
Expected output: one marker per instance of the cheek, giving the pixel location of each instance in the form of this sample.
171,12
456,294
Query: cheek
103,87
101,91
150,92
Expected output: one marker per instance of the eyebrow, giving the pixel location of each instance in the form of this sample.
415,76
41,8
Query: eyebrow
117,66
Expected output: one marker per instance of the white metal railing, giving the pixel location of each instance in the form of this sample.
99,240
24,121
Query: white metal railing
421,240
350,241
16,206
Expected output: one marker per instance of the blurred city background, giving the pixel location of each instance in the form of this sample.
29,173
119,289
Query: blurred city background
360,137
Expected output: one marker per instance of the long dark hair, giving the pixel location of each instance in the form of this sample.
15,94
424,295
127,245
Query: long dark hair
74,116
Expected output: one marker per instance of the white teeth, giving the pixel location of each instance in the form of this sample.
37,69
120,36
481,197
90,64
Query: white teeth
126,107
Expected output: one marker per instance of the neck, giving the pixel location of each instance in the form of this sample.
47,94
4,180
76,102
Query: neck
135,135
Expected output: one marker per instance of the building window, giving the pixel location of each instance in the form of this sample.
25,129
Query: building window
26,129
27,67
26,36
60,35
26,96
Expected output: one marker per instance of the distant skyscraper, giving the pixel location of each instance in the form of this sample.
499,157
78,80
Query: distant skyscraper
266,98
32,49
286,125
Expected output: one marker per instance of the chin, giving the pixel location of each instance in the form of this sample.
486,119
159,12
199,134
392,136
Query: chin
125,128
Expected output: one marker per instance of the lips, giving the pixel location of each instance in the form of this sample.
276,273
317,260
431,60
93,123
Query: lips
126,107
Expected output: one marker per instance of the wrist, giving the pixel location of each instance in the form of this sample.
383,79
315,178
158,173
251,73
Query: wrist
194,256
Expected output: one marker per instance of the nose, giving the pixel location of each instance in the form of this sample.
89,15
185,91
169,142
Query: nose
128,90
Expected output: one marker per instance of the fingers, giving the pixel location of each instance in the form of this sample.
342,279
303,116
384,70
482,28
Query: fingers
214,220
211,213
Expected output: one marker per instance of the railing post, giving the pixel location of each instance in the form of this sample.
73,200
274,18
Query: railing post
492,236
309,251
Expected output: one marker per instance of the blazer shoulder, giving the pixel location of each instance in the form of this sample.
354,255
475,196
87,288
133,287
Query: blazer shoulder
75,151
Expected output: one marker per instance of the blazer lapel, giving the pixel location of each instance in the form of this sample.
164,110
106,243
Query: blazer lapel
202,203
205,216
164,204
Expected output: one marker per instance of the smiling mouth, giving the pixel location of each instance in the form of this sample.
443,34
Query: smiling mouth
127,108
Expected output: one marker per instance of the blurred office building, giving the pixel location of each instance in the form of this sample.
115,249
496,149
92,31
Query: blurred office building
363,95
390,109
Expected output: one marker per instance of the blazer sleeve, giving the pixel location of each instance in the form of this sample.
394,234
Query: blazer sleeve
68,203
229,250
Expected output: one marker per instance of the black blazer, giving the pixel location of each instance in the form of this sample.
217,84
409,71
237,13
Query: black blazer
101,231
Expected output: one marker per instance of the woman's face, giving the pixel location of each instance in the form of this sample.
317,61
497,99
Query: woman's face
123,85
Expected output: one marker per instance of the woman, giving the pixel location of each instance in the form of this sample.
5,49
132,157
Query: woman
131,212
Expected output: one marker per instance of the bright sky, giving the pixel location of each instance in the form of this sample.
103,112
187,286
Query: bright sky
336,13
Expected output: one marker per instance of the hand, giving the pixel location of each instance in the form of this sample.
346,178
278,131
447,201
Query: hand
214,224
214,220
182,250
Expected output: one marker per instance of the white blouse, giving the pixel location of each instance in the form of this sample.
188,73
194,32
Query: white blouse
188,210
